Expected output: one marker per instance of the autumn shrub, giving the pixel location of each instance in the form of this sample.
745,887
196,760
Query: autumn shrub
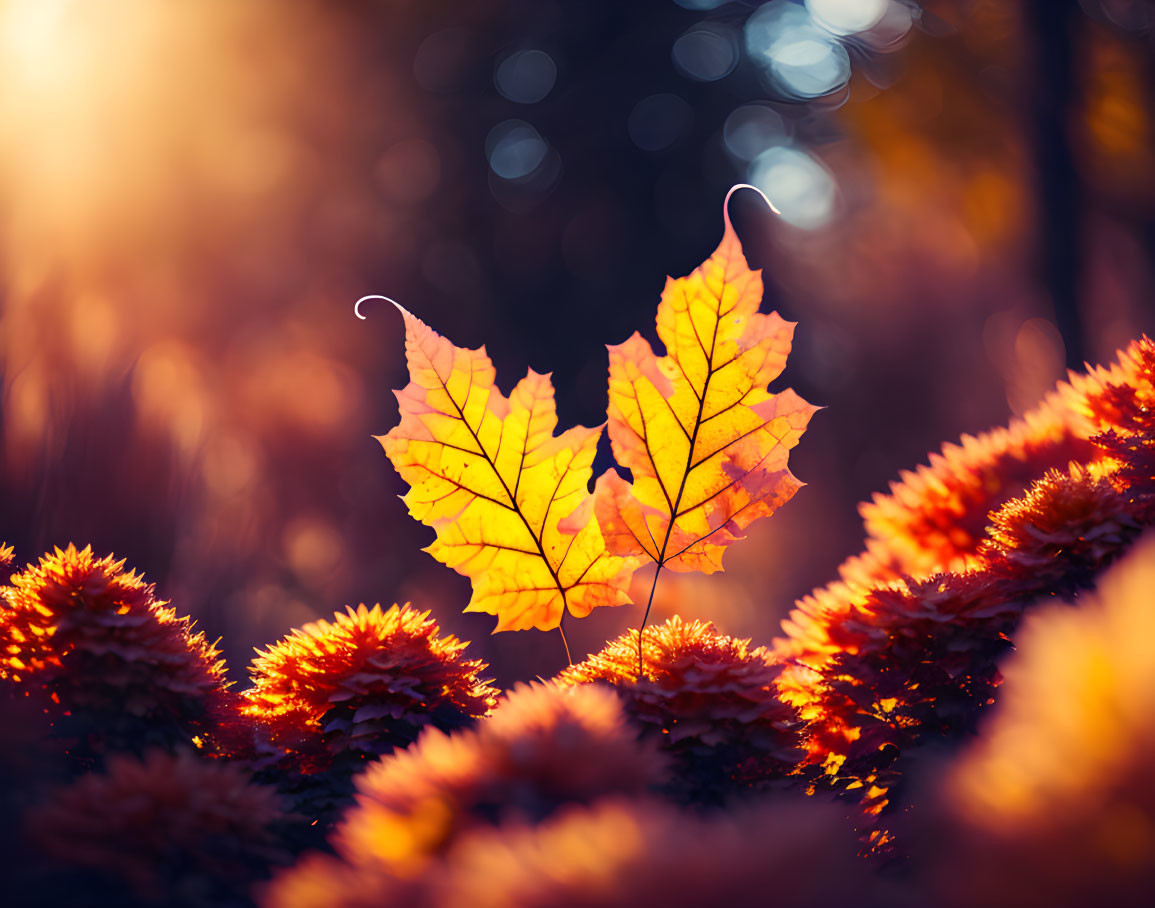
934,519
1060,533
365,683
545,746
170,829
614,854
331,695
708,700
118,669
877,668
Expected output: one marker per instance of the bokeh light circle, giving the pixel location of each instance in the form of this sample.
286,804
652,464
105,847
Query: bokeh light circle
802,60
526,76
751,129
658,121
515,149
800,188
847,17
706,54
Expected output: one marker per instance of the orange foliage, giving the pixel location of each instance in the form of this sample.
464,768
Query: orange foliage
488,474
875,666
364,683
545,746
706,443
935,518
1063,521
615,854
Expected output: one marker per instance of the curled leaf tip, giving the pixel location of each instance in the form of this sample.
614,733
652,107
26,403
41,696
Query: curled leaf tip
376,296
735,188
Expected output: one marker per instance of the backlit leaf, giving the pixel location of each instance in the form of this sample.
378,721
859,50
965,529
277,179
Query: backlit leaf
705,441
488,474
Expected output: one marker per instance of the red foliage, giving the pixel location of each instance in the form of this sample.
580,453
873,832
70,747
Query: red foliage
361,685
709,699
878,667
121,670
173,829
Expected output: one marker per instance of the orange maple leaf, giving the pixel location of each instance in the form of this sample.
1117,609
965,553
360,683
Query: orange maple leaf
488,474
705,441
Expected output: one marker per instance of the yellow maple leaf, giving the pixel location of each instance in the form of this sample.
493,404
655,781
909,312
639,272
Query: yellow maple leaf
488,474
705,440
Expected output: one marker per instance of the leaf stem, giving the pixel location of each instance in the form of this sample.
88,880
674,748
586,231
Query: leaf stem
646,617
564,642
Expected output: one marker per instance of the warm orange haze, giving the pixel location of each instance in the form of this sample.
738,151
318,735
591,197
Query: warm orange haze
255,603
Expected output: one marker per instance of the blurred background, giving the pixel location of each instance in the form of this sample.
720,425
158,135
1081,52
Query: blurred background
193,194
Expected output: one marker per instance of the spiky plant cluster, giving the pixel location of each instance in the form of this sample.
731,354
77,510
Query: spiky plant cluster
614,854
1062,529
934,519
875,668
709,699
363,684
170,829
915,660
121,670
1122,402
7,553
333,694
544,747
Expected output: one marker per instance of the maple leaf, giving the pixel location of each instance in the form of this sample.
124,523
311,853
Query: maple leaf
491,478
705,440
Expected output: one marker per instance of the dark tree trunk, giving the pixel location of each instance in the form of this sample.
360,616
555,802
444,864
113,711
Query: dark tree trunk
1059,203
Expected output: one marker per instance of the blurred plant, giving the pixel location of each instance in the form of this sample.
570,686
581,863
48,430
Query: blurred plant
545,746
31,761
170,829
614,853
1055,804
709,700
934,518
121,671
